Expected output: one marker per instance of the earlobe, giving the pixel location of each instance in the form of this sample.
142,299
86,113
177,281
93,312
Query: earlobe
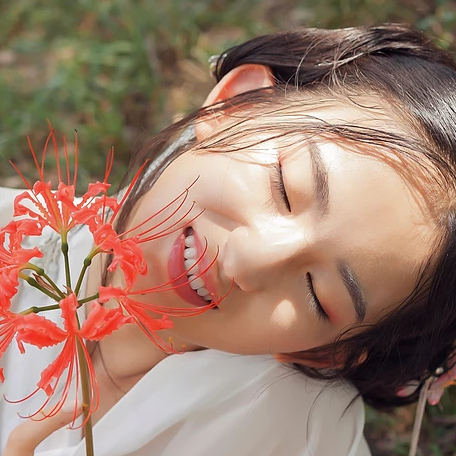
239,80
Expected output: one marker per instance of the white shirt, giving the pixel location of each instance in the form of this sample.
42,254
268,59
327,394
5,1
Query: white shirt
204,403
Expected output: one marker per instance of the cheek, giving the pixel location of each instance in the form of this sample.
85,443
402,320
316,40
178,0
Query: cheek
284,317
284,326
225,181
289,329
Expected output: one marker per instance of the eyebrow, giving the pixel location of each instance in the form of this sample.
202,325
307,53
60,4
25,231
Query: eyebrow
320,176
351,282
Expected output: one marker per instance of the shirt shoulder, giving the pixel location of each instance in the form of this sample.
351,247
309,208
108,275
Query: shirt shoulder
261,407
313,416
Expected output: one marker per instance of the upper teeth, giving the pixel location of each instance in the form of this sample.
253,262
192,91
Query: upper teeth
190,241
190,255
188,265
196,282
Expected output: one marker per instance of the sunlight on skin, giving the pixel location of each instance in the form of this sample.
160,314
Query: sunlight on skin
284,314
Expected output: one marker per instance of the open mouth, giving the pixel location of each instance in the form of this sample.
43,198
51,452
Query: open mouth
193,268
187,267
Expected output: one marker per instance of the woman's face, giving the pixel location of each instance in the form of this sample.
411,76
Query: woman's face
349,233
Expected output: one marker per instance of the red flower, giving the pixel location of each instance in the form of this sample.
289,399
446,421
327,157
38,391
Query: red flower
59,209
127,255
7,333
9,284
15,325
40,332
126,250
140,311
12,255
14,258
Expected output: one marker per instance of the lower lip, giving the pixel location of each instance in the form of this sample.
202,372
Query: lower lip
176,269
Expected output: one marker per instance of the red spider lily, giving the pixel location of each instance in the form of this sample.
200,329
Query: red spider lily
12,255
127,255
40,332
13,325
17,229
59,209
14,258
7,332
9,283
126,251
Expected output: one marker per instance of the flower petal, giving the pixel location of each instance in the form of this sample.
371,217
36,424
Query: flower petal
19,228
65,194
52,374
44,209
69,306
88,216
95,189
102,321
129,257
7,332
110,292
9,284
20,209
38,331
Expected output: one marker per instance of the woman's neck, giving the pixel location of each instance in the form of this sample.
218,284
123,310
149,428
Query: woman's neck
121,359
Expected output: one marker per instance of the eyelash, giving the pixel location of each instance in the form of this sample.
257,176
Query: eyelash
315,303
279,185
277,181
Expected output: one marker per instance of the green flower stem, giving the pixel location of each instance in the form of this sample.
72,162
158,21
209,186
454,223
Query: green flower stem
67,261
41,272
87,263
36,310
88,299
31,281
85,395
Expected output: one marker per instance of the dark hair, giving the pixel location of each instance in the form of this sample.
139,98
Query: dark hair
418,82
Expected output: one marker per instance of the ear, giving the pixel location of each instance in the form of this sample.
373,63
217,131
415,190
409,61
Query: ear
239,80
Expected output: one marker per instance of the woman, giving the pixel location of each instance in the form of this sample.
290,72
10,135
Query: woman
325,168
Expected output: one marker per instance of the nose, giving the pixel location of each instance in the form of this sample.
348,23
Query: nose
258,257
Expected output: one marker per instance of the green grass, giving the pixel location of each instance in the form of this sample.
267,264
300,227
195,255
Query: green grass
390,434
117,69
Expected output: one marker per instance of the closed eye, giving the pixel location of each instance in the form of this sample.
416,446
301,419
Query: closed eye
279,185
314,302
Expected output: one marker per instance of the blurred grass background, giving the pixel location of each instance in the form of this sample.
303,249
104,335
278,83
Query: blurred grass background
116,69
